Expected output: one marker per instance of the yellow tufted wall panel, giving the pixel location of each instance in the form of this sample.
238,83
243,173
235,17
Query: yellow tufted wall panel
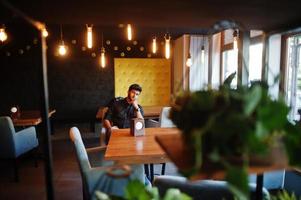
151,73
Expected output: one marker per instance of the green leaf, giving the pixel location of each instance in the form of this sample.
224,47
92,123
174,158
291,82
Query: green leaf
229,79
136,190
237,178
273,115
252,99
175,194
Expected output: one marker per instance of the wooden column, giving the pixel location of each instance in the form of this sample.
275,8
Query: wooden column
265,57
243,57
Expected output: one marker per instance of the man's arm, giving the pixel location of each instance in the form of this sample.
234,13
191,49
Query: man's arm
138,110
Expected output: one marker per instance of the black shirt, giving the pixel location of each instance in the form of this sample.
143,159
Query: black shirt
120,113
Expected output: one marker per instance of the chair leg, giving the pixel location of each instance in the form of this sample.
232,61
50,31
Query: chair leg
163,169
16,171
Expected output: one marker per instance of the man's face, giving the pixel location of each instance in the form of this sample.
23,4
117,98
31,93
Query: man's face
133,95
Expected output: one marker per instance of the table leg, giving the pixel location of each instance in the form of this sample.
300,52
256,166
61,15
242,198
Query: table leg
146,171
259,186
151,173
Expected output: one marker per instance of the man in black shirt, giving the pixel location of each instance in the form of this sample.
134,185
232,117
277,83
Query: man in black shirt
121,111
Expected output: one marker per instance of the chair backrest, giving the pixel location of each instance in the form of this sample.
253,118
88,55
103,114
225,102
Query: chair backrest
80,149
164,120
7,143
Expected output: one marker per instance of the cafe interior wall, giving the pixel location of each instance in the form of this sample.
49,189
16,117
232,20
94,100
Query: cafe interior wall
77,83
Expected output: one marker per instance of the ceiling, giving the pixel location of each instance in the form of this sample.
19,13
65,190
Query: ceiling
185,16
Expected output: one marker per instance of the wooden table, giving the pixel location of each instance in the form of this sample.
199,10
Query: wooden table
123,148
150,112
30,117
178,152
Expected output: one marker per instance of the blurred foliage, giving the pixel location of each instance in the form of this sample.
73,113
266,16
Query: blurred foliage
136,190
284,195
234,123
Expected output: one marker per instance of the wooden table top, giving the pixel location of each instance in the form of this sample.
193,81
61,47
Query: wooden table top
150,112
30,117
179,154
123,148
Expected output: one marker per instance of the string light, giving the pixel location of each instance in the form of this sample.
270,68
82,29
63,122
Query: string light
89,37
44,32
62,50
129,31
154,45
189,61
235,38
3,34
167,46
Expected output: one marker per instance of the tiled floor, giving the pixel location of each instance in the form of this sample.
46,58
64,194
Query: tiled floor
67,179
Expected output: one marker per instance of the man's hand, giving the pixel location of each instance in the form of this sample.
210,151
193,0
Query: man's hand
135,104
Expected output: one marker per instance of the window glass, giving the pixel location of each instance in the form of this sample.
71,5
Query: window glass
293,79
230,65
255,62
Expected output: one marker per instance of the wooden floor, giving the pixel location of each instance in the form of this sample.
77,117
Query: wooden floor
67,179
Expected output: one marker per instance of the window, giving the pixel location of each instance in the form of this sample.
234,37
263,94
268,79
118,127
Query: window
230,65
293,80
255,62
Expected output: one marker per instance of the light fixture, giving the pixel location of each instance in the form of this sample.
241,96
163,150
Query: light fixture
89,36
62,50
203,54
102,57
3,34
167,46
102,54
235,38
154,45
44,32
203,50
129,32
189,61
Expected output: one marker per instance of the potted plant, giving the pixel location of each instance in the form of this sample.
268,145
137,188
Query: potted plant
230,129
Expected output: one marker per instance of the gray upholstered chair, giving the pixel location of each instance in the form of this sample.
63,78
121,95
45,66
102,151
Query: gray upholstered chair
97,178
14,144
203,189
275,181
164,120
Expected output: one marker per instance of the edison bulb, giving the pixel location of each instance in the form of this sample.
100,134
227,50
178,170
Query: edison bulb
44,32
3,35
62,50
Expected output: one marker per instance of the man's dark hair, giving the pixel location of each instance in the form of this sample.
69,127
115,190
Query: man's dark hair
135,87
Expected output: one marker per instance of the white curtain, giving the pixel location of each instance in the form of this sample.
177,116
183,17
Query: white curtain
215,68
198,77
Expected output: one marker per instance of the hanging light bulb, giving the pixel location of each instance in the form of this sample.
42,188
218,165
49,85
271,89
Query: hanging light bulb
44,32
102,54
154,45
129,31
189,61
167,46
89,37
3,34
203,53
102,58
235,38
62,50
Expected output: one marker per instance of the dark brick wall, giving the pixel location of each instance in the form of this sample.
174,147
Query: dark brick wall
77,84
